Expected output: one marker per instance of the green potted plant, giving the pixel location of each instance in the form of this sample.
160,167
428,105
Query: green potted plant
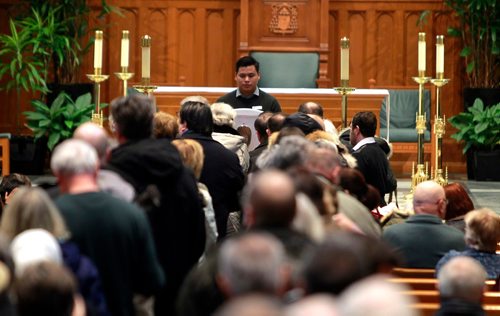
479,130
478,28
58,121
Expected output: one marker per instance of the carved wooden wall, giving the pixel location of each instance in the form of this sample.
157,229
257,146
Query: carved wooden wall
196,42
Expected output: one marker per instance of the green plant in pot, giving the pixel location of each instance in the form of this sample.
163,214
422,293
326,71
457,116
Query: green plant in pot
479,130
478,29
59,121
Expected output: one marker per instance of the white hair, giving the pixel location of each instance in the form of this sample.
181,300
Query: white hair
463,278
376,296
223,114
252,263
74,156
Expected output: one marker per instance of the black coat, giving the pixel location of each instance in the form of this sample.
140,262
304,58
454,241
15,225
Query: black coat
223,177
176,215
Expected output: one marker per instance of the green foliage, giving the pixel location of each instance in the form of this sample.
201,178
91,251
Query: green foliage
59,121
479,127
479,26
26,70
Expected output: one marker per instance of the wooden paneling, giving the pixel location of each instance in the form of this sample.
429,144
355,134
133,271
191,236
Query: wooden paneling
196,42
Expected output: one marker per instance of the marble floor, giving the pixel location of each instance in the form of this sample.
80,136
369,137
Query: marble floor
483,193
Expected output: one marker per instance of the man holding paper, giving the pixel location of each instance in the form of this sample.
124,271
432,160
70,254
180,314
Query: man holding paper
248,95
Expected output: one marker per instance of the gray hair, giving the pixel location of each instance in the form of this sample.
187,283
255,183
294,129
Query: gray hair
223,114
195,98
74,156
291,151
463,278
252,263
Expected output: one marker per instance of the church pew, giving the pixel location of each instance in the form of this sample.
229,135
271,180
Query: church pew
423,296
413,273
429,309
429,284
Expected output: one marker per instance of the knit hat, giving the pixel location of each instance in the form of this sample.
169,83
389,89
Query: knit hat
33,246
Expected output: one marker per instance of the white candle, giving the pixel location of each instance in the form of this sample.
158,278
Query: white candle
98,49
146,56
439,54
421,52
124,50
344,58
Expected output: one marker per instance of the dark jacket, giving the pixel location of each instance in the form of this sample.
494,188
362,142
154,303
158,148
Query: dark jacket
169,193
223,176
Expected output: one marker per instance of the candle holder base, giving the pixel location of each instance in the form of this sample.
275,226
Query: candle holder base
419,176
97,118
439,178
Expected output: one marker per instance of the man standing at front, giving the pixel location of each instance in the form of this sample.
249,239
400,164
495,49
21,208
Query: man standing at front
248,95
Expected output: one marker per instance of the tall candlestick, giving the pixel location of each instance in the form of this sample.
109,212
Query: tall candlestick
146,56
125,49
344,59
421,54
440,56
98,49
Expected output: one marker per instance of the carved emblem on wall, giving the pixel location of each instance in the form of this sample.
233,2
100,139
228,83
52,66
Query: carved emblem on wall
284,19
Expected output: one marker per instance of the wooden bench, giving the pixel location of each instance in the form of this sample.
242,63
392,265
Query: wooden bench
429,284
429,309
413,273
424,296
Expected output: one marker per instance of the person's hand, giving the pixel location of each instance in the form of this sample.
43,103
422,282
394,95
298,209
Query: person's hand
246,132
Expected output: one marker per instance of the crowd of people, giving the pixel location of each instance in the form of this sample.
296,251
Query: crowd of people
178,216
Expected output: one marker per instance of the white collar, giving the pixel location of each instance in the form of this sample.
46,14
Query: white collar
256,92
364,141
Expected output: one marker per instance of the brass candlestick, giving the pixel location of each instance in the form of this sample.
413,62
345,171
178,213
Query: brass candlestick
124,75
345,90
97,77
439,131
146,87
420,175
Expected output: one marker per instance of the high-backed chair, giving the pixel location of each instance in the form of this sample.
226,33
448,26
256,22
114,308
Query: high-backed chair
287,70
402,116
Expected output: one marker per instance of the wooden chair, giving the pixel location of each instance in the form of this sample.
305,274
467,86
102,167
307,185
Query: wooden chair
5,153
413,273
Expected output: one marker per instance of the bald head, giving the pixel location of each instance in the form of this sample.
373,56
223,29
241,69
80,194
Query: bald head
311,108
95,136
270,200
429,198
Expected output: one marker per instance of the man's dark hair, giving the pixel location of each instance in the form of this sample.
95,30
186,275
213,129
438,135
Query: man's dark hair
133,116
197,116
367,122
260,123
275,122
311,108
45,289
246,61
